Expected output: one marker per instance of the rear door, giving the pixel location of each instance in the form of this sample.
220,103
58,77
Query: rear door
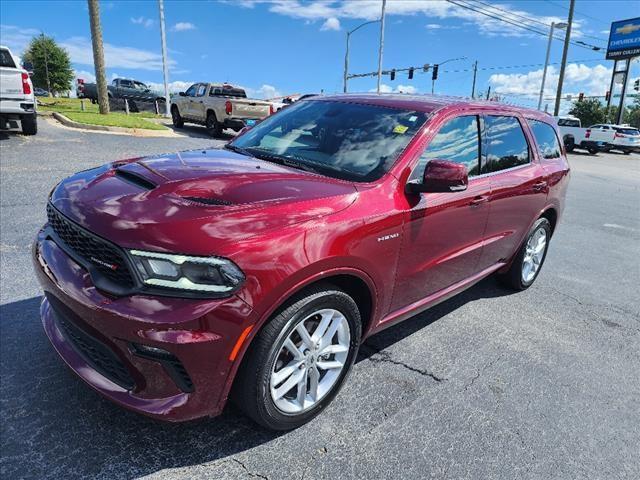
519,186
10,76
443,232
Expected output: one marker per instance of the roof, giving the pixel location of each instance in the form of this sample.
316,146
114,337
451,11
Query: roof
427,103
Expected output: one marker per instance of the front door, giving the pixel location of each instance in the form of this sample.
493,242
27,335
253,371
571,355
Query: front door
443,232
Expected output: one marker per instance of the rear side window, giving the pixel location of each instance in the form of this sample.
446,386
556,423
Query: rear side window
458,141
546,139
568,122
506,145
201,90
6,60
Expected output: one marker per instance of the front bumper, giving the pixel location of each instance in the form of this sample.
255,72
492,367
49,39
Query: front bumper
99,336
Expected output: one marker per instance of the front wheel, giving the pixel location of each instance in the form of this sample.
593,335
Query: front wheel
176,118
529,259
299,360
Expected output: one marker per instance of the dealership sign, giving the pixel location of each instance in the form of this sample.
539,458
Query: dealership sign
624,39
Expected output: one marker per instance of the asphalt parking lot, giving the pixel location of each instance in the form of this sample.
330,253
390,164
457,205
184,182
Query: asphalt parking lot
539,384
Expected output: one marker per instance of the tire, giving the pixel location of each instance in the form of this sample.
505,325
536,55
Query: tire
569,144
29,124
515,277
627,152
592,150
213,126
176,118
255,385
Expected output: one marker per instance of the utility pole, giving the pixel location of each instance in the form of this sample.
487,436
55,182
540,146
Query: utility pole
563,65
384,4
475,71
346,54
546,61
98,56
620,114
165,69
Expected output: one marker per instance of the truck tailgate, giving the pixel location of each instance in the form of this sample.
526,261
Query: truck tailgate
10,82
249,109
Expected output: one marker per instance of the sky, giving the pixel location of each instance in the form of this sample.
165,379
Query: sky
283,47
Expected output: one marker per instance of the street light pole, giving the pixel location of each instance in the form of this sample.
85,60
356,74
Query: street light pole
563,65
384,4
165,69
346,54
546,61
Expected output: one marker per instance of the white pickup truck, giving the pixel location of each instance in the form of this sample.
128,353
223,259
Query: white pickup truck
574,136
218,106
17,99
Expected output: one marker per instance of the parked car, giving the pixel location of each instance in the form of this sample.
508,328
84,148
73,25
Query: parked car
574,136
40,92
218,106
131,90
625,138
17,101
255,271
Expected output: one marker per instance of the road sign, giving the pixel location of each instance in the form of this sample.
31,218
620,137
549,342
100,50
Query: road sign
624,39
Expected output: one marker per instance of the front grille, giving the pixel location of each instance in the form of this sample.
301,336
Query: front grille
97,354
104,256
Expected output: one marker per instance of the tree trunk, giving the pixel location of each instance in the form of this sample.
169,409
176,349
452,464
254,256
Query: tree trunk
98,56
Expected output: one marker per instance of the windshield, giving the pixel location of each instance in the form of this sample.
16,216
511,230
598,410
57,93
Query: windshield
338,139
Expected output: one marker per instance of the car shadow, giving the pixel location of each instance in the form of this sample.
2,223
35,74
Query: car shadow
55,426
198,131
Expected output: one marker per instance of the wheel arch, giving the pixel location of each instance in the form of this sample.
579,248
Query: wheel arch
551,214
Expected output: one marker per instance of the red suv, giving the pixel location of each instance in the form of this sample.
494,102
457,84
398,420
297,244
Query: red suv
255,271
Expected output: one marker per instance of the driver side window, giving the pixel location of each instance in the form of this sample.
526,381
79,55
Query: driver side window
457,141
191,92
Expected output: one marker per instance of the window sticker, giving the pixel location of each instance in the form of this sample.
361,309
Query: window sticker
400,129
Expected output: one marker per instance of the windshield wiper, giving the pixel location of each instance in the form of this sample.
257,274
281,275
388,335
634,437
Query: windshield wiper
239,150
280,159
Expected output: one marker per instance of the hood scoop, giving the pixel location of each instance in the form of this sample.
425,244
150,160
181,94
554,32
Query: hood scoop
208,201
135,178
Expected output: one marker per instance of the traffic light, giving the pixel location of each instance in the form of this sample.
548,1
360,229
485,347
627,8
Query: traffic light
393,74
636,85
411,73
580,96
607,95
434,75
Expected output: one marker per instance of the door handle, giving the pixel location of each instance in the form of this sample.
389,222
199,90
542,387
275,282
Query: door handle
538,187
479,200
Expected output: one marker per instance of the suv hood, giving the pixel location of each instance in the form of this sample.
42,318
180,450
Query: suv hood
190,202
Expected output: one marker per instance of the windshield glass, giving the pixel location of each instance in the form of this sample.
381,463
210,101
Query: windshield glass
338,139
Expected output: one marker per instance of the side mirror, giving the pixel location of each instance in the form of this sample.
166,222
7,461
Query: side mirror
441,176
182,94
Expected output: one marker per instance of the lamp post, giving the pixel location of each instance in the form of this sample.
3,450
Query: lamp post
384,4
433,81
346,54
546,61
165,69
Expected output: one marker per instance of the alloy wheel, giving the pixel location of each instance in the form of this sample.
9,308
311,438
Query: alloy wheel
309,361
534,254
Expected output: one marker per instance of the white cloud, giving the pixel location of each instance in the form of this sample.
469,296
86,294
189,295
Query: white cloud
433,26
88,77
384,88
80,51
322,10
16,38
578,78
183,27
331,23
174,87
265,91
145,22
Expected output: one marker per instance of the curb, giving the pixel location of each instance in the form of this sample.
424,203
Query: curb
138,132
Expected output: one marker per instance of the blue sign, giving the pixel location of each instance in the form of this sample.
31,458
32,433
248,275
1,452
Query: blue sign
624,39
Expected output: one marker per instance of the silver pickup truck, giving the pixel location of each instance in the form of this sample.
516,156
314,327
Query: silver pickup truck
17,101
217,106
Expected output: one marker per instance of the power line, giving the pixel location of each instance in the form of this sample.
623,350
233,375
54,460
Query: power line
520,25
580,13
506,67
529,19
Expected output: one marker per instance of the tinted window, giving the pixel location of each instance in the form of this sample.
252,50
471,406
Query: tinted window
568,122
6,60
344,140
191,92
126,83
506,145
546,139
456,141
227,91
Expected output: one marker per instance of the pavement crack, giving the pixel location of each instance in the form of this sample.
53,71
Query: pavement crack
251,474
382,356
480,371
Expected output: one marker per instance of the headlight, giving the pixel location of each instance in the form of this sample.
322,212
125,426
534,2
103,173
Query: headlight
206,275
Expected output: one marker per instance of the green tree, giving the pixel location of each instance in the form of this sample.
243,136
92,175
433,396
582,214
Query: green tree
589,111
632,113
51,64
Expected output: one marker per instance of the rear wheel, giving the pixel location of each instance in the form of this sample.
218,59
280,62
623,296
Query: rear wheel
592,150
299,360
29,124
176,118
569,144
529,259
213,126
